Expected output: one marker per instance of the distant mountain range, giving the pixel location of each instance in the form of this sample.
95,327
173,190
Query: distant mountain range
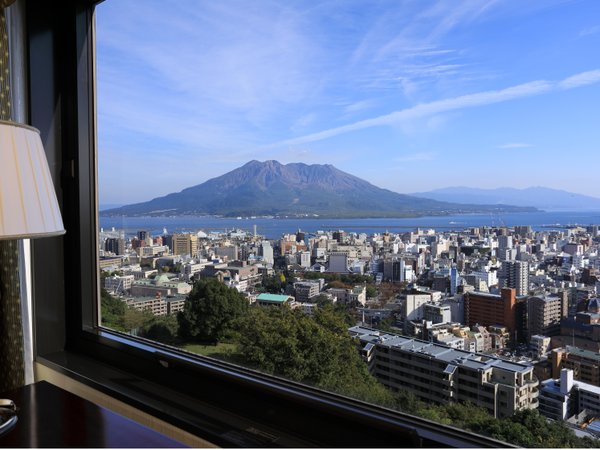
273,189
538,197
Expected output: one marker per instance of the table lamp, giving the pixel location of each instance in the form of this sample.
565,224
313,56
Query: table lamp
28,205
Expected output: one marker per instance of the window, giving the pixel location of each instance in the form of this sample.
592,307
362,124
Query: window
209,399
127,350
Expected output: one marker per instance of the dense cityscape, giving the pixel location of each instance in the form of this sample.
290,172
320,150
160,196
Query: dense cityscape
503,318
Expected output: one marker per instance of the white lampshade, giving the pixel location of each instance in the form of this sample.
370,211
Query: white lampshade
28,204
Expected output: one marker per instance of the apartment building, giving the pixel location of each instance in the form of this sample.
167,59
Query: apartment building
157,305
306,290
545,313
515,274
441,374
585,364
490,309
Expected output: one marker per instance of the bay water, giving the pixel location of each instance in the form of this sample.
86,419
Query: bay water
275,228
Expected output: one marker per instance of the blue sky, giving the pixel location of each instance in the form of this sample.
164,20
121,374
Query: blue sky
409,95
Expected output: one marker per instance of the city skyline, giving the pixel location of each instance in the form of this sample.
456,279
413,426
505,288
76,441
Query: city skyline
410,96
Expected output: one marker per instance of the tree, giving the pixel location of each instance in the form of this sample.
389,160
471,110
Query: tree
322,300
112,310
120,317
162,329
526,428
209,311
372,291
274,284
135,321
339,285
315,350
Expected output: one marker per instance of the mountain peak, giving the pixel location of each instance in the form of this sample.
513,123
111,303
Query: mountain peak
295,189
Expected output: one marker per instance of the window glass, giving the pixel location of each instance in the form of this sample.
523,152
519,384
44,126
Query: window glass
278,190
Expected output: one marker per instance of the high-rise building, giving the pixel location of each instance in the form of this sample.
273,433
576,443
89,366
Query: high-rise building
506,252
185,244
392,269
340,236
545,313
490,309
515,274
505,242
453,279
142,235
523,230
228,252
304,259
338,262
115,245
266,251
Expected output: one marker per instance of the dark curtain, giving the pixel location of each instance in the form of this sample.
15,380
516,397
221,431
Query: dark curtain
12,370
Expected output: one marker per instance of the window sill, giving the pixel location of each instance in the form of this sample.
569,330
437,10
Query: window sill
242,416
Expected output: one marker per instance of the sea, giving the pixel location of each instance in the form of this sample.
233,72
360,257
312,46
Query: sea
275,228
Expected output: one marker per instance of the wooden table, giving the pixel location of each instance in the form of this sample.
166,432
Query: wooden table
52,417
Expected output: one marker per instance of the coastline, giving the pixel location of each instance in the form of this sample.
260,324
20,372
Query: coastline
273,228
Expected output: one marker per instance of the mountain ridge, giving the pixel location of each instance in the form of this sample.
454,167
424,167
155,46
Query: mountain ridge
270,188
536,196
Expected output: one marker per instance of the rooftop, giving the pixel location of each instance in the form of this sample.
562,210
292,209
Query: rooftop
587,354
273,298
554,386
438,351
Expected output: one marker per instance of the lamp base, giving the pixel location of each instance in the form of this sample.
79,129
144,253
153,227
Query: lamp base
8,415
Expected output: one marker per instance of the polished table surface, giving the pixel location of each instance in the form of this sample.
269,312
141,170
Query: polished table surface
49,416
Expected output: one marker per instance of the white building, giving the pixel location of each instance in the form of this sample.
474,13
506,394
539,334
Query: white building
413,306
563,398
304,259
119,284
266,251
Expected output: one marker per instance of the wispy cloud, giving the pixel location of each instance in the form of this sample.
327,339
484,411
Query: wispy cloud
360,105
515,145
589,31
421,156
462,102
580,79
405,50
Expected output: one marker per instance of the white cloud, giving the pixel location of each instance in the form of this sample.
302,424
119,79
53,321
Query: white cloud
590,31
451,104
359,106
302,123
422,156
515,145
580,79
